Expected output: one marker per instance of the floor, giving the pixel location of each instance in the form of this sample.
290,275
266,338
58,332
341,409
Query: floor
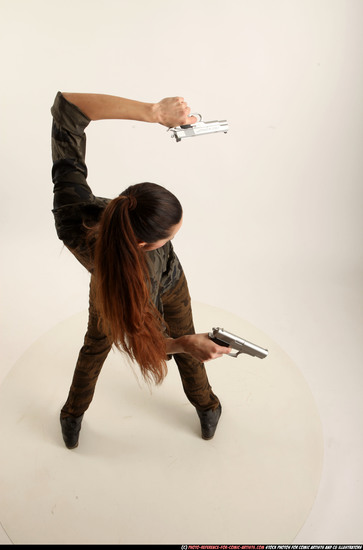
142,474
272,248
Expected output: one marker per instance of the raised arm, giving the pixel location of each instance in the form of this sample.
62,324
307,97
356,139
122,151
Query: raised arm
171,111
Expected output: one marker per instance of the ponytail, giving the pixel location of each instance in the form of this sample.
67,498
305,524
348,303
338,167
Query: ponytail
122,278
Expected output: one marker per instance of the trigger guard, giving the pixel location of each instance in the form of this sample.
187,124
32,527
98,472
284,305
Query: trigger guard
185,126
197,115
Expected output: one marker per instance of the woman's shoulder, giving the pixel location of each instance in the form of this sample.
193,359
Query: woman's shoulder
72,219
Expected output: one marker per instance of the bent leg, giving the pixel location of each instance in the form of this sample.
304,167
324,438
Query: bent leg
179,319
89,364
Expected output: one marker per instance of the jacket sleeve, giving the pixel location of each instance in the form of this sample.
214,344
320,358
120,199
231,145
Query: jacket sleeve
69,171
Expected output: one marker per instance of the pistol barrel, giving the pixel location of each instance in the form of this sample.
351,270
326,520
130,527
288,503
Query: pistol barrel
200,128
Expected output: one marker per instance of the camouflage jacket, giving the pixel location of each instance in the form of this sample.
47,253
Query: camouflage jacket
76,207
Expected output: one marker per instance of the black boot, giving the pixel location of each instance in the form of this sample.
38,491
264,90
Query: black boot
71,426
209,421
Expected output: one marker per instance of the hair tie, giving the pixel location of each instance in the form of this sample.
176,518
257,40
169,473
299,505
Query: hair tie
132,202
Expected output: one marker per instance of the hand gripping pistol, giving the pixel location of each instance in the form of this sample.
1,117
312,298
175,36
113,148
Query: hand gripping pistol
226,339
199,128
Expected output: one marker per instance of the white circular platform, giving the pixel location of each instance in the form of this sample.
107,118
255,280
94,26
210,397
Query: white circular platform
142,474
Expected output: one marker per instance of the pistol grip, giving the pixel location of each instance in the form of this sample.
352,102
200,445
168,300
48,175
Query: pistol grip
220,342
225,345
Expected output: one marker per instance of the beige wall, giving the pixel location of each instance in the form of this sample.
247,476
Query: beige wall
273,210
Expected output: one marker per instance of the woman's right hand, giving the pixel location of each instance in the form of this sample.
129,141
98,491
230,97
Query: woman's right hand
200,346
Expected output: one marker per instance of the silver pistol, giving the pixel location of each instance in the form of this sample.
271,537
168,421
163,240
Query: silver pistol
226,339
199,128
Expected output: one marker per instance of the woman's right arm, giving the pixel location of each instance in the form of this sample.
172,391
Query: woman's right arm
200,346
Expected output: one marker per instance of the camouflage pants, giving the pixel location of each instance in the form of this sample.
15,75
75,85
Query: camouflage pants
178,317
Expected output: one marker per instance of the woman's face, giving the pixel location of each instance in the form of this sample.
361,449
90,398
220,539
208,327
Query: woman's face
158,244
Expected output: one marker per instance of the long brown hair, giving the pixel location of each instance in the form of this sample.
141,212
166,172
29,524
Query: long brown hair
144,212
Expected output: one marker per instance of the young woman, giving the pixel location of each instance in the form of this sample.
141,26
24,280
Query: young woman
139,298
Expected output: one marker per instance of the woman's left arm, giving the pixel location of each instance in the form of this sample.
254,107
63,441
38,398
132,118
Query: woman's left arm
170,111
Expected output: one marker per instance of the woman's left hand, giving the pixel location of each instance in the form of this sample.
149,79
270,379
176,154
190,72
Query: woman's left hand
173,111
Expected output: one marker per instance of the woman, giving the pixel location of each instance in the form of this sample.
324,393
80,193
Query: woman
139,299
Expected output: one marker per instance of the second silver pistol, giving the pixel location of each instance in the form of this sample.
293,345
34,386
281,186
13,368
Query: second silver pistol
239,345
199,128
